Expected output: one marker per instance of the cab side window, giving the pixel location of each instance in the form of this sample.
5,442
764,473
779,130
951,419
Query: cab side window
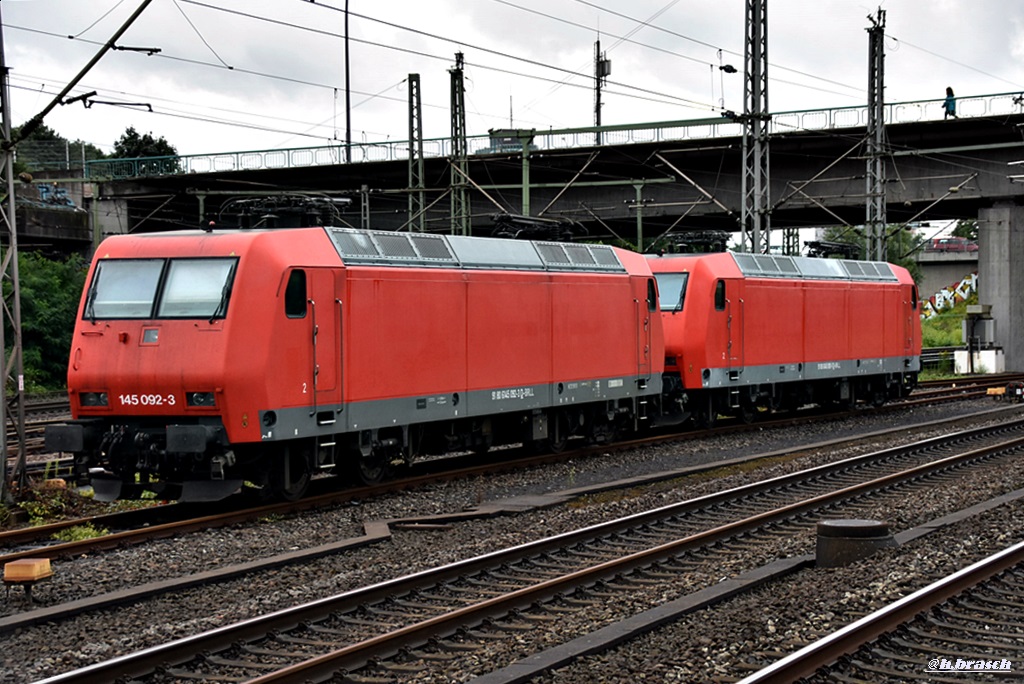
652,295
295,295
720,295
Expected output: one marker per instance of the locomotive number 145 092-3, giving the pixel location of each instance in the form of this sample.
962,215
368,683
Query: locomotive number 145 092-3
146,399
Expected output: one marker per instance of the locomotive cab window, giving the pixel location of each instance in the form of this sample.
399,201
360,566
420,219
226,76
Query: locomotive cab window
123,288
160,288
913,297
196,288
671,290
720,295
295,295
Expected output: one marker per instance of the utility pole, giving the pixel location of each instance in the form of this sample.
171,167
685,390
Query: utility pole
417,184
755,217
875,221
460,164
602,68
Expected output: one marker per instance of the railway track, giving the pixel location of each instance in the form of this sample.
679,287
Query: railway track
415,622
140,526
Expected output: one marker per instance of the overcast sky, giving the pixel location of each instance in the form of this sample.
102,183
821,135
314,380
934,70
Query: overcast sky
256,74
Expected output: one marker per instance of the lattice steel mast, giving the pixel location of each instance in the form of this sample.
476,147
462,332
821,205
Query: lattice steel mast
417,183
602,68
460,164
755,216
875,221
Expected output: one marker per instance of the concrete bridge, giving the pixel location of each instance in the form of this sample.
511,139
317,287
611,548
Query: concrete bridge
645,178
644,181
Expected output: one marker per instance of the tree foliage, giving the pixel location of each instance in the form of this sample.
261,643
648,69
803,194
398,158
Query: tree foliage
50,292
45,148
133,145
966,228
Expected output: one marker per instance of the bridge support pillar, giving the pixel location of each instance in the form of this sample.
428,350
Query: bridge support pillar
1000,277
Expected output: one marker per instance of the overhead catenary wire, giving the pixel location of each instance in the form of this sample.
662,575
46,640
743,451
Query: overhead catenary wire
630,91
445,58
462,45
953,61
702,43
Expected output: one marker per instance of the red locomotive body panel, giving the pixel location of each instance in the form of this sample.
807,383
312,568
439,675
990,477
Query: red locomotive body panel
195,351
418,332
754,327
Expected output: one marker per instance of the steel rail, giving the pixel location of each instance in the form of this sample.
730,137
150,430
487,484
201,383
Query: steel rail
847,640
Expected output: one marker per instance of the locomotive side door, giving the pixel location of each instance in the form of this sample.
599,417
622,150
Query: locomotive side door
727,300
324,307
911,308
645,308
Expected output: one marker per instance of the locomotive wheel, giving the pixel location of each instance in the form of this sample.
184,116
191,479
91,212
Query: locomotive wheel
559,433
372,469
291,477
747,414
706,417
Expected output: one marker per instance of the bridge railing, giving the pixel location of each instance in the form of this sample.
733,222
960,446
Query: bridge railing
897,112
554,139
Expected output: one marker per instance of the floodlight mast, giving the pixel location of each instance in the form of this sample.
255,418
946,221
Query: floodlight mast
13,363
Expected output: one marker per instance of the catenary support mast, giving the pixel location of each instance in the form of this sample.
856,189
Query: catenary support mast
417,183
755,216
459,159
875,222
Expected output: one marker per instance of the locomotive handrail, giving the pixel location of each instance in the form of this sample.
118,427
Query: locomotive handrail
341,353
726,125
316,366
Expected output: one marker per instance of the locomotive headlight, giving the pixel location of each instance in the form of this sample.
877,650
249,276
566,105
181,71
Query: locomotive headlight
93,399
200,399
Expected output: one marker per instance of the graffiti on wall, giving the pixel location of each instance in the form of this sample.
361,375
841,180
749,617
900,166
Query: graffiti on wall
948,297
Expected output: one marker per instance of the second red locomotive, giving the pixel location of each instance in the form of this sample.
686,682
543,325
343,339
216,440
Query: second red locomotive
749,332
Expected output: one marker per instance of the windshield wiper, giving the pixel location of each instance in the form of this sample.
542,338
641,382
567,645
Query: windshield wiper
225,293
90,305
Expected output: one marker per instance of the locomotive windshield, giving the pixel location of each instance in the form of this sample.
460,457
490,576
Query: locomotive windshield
671,290
160,288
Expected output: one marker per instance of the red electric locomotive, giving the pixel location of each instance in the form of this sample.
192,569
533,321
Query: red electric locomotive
745,332
204,360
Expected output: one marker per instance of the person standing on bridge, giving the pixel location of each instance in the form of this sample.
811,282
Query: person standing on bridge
949,104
